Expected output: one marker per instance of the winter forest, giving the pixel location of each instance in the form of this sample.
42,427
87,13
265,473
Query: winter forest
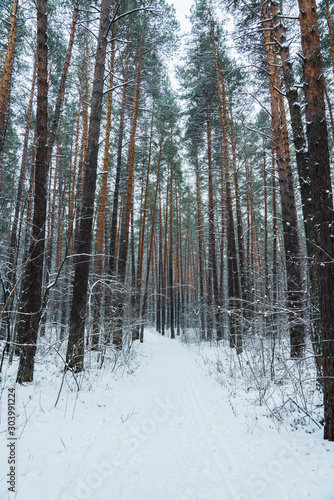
167,249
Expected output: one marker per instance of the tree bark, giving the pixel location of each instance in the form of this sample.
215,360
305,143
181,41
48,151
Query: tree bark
170,258
212,263
99,258
295,286
6,80
150,251
299,141
83,242
138,331
234,292
33,280
113,230
125,223
321,193
200,249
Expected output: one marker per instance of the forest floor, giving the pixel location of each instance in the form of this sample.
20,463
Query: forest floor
161,428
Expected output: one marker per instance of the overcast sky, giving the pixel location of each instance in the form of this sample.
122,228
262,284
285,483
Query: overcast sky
182,10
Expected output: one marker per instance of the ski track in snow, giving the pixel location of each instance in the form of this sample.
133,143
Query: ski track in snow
164,433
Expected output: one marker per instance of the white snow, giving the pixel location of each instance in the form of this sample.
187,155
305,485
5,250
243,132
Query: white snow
161,430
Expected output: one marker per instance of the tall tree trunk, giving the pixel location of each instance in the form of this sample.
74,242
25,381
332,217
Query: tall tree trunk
240,232
101,218
265,250
295,285
125,224
200,248
170,257
321,193
83,242
113,230
99,258
178,263
138,285
274,286
160,271
302,161
84,139
32,284
74,179
6,80
234,291
150,251
212,263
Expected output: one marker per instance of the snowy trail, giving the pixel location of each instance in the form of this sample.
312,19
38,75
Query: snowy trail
169,447
165,432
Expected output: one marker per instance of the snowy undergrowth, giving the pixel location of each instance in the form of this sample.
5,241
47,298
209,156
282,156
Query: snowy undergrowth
62,393
282,389
59,415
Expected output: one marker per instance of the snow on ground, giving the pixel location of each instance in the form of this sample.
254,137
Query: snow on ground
161,430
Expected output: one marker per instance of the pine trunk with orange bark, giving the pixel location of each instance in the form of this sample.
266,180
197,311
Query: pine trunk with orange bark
113,229
99,254
150,251
295,286
170,259
240,232
299,141
125,223
201,297
6,80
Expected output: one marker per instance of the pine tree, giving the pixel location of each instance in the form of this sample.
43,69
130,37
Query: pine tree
321,193
83,241
32,284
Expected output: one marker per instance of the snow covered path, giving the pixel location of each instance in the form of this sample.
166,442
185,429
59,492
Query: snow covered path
169,446
166,432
